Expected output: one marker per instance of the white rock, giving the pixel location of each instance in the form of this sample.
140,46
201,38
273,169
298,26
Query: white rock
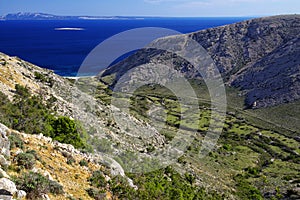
45,197
6,184
48,175
3,161
107,178
19,151
4,142
21,194
43,172
4,174
6,197
3,130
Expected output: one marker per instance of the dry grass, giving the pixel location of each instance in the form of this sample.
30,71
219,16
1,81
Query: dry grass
73,178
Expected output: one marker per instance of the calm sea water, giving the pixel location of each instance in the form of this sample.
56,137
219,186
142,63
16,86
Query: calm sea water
64,50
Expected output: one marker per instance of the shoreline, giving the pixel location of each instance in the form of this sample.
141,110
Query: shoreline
78,77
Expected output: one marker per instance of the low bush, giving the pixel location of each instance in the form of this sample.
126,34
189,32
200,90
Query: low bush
96,193
97,179
15,141
70,160
28,113
83,163
68,131
35,185
245,190
26,160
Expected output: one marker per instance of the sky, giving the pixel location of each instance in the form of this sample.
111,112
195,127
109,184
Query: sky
175,8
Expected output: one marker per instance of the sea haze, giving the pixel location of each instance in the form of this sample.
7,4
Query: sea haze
62,45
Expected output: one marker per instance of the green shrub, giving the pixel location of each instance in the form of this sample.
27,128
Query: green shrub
161,184
29,114
35,185
40,76
55,187
66,130
252,171
15,141
190,178
34,153
26,160
70,160
96,193
43,78
97,179
22,91
83,163
6,109
245,190
227,147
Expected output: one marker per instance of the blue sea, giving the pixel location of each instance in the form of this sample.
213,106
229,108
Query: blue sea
42,43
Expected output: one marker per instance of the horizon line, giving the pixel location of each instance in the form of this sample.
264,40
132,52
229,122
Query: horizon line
146,16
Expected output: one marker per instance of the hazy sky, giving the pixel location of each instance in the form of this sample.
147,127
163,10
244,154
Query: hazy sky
153,7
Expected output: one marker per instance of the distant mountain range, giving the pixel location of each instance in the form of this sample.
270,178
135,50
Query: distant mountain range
44,16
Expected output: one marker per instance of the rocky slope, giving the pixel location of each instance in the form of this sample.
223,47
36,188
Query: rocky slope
66,100
253,56
247,160
58,162
69,100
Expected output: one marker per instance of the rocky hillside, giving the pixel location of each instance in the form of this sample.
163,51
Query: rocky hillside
62,164
248,162
43,94
258,56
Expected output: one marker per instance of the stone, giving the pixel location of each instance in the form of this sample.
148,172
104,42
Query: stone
8,185
44,173
45,197
3,174
6,197
19,151
21,194
4,141
3,161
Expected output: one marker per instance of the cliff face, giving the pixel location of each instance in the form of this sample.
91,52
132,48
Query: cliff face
259,56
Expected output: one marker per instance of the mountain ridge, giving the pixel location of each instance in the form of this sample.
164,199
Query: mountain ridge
235,48
46,16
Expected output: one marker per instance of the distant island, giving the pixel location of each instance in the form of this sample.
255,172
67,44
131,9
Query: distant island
45,16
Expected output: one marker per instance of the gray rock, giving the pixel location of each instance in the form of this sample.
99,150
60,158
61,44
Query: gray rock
3,161
45,197
43,172
21,194
8,185
6,197
3,174
19,151
4,142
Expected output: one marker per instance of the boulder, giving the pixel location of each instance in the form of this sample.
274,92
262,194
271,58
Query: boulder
21,194
5,195
3,161
8,185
